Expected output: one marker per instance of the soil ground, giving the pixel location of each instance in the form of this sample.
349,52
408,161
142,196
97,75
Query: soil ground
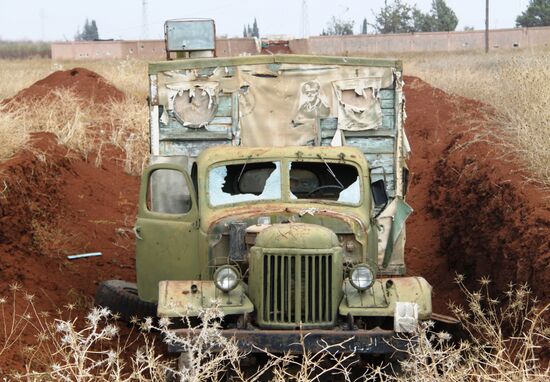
474,212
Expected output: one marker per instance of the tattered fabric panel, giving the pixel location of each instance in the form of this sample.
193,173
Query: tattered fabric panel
358,103
278,104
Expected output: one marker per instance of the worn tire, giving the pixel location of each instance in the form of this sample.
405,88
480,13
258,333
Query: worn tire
121,297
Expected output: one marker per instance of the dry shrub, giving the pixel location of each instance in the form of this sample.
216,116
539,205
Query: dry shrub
63,114
505,337
514,84
13,133
79,125
129,131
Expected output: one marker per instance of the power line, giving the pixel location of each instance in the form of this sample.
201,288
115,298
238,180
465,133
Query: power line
304,22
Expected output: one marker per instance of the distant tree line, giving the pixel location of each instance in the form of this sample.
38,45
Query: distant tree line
24,49
89,32
398,17
537,14
253,31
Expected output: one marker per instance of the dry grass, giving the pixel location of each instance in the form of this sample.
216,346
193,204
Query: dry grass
13,134
514,83
81,126
505,337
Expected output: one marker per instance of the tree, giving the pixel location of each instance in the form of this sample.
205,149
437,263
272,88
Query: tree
364,27
537,14
422,22
444,18
94,34
337,26
255,30
394,18
398,17
89,32
244,32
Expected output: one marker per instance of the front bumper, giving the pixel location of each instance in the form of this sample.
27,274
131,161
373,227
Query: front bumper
374,341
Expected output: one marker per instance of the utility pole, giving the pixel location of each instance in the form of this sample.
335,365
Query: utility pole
486,26
304,22
144,20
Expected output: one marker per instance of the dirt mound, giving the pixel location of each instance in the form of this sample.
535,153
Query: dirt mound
474,212
85,84
55,204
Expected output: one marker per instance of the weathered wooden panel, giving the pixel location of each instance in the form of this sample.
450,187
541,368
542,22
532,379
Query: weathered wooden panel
205,72
388,122
224,106
386,104
388,112
381,160
185,134
188,148
373,145
221,121
218,128
386,94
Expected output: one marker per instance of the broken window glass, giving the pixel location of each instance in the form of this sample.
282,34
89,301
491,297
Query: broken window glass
168,192
325,181
244,182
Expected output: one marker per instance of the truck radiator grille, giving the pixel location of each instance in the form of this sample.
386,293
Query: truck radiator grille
297,289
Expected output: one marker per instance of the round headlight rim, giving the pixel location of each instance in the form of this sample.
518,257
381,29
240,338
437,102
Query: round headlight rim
362,265
220,269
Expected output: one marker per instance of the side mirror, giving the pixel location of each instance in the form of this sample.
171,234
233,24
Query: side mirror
379,194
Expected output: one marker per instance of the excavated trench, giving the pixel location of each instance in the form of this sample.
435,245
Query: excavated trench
474,213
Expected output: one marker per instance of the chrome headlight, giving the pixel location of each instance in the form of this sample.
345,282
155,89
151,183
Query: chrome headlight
362,277
226,278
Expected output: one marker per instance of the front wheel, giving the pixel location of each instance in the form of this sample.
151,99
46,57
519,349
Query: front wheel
121,297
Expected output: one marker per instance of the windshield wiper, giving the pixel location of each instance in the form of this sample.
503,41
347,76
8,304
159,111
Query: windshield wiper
242,169
330,171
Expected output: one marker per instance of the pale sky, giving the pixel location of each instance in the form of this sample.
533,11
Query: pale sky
122,19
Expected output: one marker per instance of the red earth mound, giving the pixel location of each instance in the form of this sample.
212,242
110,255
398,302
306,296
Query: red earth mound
84,83
474,214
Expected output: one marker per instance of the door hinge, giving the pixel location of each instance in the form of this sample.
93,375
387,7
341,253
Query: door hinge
196,224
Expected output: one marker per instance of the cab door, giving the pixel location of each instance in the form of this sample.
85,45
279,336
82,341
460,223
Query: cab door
166,229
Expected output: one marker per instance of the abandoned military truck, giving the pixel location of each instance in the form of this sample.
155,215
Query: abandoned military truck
277,193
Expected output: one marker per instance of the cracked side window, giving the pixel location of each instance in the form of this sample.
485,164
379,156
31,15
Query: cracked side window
244,182
168,192
325,181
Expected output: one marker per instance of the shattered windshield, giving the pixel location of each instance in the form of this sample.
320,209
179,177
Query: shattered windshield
326,181
244,182
257,181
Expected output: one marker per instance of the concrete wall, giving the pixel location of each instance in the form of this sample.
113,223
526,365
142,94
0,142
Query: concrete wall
421,42
358,45
145,50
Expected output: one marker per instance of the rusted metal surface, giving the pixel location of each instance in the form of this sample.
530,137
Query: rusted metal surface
375,341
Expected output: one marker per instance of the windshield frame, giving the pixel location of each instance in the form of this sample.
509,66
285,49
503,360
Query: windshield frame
285,191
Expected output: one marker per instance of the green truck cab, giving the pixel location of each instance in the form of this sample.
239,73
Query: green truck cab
277,193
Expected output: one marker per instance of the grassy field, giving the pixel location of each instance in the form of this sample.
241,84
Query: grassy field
514,83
